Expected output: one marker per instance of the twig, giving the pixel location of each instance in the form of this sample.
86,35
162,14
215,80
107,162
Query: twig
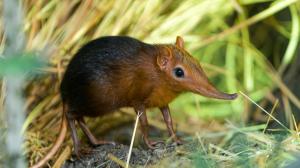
62,157
201,143
273,109
147,161
116,160
296,127
263,109
132,138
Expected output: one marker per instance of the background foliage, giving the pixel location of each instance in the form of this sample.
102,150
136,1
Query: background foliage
243,45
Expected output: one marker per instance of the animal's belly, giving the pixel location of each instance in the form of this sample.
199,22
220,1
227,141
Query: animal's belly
89,110
159,99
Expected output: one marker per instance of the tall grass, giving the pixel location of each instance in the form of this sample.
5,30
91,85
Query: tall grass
225,36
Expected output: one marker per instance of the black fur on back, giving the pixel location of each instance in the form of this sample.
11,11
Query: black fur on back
101,61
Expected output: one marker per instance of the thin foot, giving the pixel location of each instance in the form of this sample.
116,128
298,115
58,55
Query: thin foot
93,140
152,144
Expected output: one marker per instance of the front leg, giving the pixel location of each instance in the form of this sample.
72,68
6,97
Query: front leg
140,111
168,120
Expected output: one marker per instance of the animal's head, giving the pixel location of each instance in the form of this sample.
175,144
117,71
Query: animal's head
184,73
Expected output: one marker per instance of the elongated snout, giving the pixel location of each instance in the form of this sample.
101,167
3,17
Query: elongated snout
205,88
199,83
212,92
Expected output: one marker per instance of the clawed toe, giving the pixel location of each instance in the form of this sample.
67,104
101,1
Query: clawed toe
153,144
98,143
178,141
82,152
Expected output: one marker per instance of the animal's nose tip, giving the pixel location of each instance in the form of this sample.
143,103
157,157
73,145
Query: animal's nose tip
232,96
226,96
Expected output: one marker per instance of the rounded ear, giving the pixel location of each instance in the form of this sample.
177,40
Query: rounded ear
164,57
179,42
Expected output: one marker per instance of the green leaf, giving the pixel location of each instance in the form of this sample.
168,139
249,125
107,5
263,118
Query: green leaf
19,64
249,2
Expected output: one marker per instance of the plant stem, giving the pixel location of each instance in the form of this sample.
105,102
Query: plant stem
254,19
14,104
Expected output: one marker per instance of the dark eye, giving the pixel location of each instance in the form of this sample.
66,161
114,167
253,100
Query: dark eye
179,73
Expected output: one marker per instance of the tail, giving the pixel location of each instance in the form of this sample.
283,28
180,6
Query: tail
57,144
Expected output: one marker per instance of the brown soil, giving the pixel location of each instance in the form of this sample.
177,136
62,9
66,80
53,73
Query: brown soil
99,156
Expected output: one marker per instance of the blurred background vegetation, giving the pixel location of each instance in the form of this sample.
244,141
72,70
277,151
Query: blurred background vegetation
243,45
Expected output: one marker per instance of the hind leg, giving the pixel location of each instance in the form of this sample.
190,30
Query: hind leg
76,142
94,141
